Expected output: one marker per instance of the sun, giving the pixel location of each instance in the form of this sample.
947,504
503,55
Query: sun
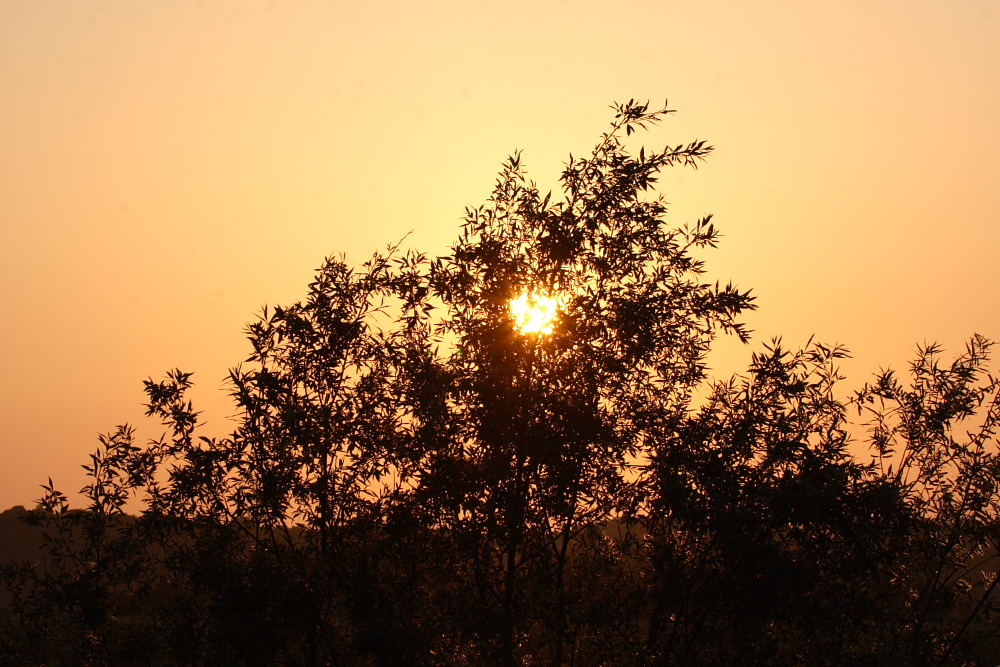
534,313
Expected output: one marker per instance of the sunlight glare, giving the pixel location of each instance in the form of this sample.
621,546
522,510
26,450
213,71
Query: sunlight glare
534,313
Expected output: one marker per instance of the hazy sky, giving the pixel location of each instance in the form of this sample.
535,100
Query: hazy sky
169,166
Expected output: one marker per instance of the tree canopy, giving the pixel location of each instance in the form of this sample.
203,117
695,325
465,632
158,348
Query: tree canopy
417,476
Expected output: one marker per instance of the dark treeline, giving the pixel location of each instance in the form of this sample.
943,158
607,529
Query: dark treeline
414,480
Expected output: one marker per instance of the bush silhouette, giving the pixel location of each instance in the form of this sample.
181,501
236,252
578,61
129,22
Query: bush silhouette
416,479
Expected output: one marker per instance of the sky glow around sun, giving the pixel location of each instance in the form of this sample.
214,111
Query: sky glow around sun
534,313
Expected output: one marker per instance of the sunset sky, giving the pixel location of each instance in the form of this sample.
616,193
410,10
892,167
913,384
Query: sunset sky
167,167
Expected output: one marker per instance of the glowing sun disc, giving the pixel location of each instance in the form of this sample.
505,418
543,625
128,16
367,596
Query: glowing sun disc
534,313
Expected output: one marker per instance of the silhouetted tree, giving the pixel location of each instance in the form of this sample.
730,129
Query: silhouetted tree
545,430
949,480
764,529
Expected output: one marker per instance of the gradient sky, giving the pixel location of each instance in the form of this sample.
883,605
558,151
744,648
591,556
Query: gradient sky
168,167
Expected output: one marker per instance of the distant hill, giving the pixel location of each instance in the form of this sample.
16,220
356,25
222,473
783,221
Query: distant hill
18,540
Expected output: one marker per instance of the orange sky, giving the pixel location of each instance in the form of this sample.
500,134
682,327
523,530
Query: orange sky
167,167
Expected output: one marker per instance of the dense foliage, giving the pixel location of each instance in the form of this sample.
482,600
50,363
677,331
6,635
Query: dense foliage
414,480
